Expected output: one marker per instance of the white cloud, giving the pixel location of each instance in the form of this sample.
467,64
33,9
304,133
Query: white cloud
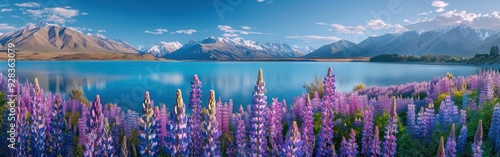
57,15
7,27
348,30
188,31
424,13
101,31
314,37
28,5
156,31
454,17
229,35
6,10
231,32
260,0
84,13
379,24
321,23
246,27
440,5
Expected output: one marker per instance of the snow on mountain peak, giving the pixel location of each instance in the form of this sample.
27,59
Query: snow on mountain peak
163,48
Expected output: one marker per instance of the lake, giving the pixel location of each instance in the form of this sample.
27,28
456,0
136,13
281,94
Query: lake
124,82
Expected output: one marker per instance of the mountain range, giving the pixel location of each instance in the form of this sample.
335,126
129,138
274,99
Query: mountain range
460,41
53,38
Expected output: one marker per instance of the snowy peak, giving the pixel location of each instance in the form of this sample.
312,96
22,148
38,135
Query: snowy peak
163,48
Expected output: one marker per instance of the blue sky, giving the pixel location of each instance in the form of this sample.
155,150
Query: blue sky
296,22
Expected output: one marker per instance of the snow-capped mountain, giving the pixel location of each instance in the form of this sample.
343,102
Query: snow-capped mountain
43,37
214,48
459,40
163,48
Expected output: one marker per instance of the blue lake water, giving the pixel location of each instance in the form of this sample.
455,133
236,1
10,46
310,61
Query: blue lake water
124,82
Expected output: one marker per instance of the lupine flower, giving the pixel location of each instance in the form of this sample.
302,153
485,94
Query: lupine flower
324,140
211,132
164,121
275,127
258,141
429,120
148,145
349,148
366,136
451,144
293,144
465,101
410,121
38,123
109,149
486,89
495,127
441,150
390,133
478,141
420,128
131,122
462,139
307,128
178,139
57,127
375,147
240,134
124,151
95,130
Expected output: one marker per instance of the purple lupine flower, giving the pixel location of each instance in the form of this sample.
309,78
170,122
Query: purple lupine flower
465,101
220,109
478,141
224,125
316,102
429,120
148,145
275,127
82,126
131,122
258,141
441,150
57,127
95,130
211,132
164,121
410,121
307,128
448,112
390,133
178,139
462,139
38,123
451,143
495,127
349,148
108,144
463,117
366,136
324,140
375,146
240,134
486,90
421,126
22,129
293,144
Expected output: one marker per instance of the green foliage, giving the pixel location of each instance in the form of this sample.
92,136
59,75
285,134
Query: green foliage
78,94
317,122
315,85
412,58
360,86
77,149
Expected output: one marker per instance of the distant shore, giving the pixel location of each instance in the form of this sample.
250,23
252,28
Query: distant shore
68,56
